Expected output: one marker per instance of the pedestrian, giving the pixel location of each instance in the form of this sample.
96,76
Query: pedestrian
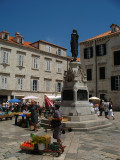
101,107
56,124
96,108
111,110
34,115
106,108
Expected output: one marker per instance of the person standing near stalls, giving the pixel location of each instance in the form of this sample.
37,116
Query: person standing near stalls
56,124
34,114
96,108
110,113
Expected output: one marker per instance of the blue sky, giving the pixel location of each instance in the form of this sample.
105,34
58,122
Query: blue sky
54,20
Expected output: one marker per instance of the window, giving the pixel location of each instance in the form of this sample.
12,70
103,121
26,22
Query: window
48,65
102,72
20,40
117,58
20,83
48,48
5,57
58,87
89,74
102,96
47,85
20,60
35,85
88,53
5,36
115,83
59,52
4,82
35,62
59,67
101,50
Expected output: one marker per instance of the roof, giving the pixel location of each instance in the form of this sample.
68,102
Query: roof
106,34
29,44
51,44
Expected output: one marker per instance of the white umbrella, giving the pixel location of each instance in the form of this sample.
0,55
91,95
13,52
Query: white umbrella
94,98
30,97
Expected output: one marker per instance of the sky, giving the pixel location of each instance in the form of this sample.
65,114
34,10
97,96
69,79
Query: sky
54,20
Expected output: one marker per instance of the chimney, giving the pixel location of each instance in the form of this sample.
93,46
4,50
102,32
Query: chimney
17,34
114,28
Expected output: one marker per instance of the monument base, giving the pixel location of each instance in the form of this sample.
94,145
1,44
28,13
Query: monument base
84,123
80,123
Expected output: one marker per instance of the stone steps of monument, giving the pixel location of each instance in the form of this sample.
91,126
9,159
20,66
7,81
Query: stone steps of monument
86,124
80,126
90,128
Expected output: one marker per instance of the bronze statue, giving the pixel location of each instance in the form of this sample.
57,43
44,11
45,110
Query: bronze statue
74,44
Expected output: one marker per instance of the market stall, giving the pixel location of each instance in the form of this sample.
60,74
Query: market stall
42,144
25,121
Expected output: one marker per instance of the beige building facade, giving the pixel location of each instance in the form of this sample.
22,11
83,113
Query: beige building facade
100,58
30,68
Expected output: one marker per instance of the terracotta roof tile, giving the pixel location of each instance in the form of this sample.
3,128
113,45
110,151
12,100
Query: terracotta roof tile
51,44
101,36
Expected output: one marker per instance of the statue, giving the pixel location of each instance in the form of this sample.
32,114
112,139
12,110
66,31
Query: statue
74,44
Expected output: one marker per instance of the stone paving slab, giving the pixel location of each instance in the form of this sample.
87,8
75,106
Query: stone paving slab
101,144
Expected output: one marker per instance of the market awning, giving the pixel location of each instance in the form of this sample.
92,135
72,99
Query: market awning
53,97
48,103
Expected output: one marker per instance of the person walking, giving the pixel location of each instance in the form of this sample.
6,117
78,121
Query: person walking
34,114
96,108
101,107
56,124
106,108
110,113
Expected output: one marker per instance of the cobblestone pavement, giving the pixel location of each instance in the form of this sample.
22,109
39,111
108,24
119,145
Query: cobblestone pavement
101,144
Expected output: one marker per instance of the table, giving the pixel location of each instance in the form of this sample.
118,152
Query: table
23,116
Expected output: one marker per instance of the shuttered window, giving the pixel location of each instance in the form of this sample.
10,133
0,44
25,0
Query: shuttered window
20,60
102,72
4,82
89,74
88,53
20,83
47,85
101,50
48,65
117,58
35,85
115,83
5,57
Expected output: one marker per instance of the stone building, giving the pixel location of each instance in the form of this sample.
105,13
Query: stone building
30,68
100,57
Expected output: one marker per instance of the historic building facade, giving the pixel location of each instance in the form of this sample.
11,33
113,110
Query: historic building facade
100,57
30,68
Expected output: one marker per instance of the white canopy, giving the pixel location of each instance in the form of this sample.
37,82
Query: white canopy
30,97
53,97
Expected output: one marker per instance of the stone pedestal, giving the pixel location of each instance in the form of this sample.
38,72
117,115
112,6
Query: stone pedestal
75,104
75,101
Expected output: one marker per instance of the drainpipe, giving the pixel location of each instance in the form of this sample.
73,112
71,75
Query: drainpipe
96,79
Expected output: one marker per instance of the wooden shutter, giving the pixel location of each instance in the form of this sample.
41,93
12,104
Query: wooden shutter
97,50
38,85
117,58
91,51
85,53
113,83
104,49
